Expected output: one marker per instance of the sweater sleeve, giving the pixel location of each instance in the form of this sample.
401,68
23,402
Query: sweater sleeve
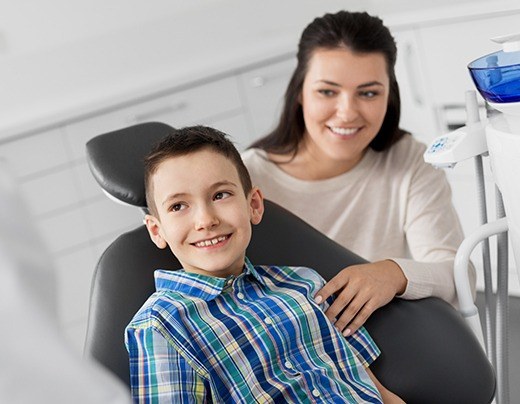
433,234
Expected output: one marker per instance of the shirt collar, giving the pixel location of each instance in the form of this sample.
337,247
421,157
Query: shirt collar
199,286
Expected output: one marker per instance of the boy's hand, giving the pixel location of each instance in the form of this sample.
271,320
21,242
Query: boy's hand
360,290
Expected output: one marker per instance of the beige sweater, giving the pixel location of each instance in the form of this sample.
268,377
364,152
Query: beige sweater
392,205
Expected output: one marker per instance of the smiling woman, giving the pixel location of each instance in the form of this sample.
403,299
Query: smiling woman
343,111
339,160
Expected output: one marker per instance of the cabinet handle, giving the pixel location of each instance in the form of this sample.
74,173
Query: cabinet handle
414,82
166,109
258,81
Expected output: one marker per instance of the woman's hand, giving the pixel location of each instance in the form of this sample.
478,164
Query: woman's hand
360,290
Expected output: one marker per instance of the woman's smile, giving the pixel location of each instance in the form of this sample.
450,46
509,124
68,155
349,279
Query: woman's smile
344,132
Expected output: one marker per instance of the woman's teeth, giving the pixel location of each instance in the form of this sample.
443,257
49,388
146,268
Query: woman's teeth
213,241
344,131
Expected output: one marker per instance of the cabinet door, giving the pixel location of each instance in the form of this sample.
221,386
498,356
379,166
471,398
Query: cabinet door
264,89
189,107
35,154
417,113
236,128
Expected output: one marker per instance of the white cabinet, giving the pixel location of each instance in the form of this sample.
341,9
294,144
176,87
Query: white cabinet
236,127
65,230
50,193
189,106
264,89
417,115
33,154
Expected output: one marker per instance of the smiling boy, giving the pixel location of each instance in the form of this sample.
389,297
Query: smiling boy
221,329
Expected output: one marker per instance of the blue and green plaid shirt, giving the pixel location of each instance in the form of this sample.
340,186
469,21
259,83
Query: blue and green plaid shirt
257,337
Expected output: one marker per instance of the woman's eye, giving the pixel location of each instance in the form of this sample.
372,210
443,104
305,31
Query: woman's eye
327,93
222,195
369,94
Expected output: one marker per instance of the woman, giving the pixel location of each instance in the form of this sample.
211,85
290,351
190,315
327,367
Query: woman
339,160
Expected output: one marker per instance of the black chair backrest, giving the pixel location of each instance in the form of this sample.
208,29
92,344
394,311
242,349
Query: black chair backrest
429,354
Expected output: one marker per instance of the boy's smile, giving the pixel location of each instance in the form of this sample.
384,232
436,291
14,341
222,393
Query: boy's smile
203,214
211,243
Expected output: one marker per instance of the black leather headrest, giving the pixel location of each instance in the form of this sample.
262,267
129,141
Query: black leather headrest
116,160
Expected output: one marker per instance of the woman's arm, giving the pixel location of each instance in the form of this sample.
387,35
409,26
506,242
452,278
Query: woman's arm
433,234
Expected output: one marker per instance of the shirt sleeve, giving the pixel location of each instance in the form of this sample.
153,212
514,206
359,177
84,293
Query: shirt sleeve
363,346
433,234
158,373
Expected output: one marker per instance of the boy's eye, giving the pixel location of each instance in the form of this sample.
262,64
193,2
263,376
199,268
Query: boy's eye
222,195
177,207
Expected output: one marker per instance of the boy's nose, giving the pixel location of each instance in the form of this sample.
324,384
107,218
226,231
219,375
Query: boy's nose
206,218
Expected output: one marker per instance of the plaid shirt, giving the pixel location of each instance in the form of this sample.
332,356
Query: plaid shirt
257,337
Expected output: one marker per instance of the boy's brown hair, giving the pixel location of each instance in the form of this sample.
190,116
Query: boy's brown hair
190,140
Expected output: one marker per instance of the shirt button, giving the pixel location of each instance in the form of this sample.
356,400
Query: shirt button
268,320
240,295
288,365
315,393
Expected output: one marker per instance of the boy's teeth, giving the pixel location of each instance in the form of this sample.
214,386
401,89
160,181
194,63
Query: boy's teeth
344,131
213,241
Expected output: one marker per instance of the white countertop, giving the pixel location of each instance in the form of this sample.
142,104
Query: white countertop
40,90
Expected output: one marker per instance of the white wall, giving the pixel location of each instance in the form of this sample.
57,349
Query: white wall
32,26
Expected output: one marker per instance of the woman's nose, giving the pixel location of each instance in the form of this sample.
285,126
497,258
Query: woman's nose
347,108
206,218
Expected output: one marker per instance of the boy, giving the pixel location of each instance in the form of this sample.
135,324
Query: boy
221,329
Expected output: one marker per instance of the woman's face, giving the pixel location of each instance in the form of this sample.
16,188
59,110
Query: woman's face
344,100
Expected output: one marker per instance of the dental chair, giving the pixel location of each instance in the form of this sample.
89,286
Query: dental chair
429,355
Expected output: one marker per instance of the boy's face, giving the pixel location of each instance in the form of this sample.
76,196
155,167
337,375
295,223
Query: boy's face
203,214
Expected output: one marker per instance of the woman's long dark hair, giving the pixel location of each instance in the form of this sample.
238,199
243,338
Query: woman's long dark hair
359,32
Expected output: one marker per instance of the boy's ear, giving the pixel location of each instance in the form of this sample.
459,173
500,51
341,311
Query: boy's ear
256,204
154,230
